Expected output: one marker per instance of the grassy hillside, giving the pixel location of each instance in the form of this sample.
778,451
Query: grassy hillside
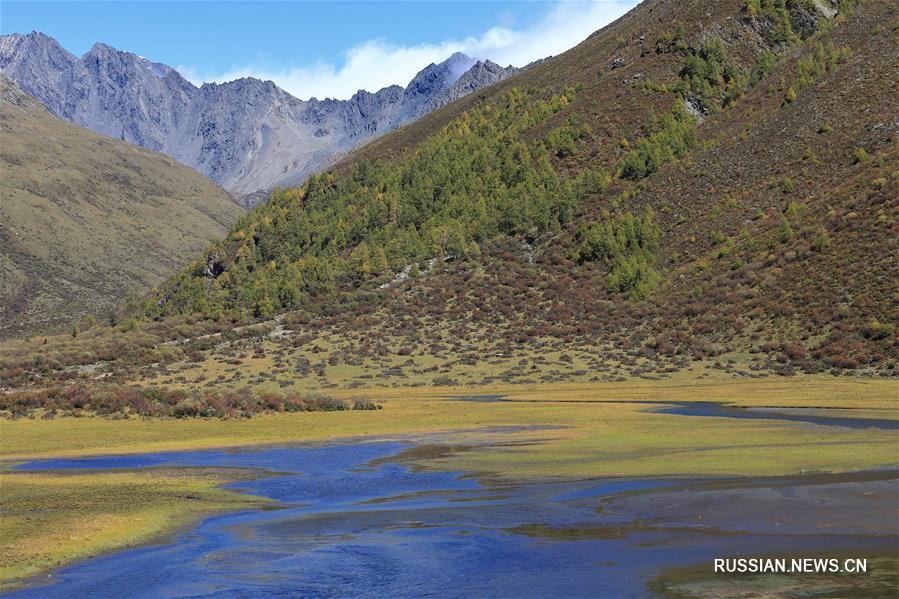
702,178
699,185
86,219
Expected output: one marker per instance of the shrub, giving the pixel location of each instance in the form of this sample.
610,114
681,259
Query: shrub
563,141
821,240
365,404
878,330
673,135
790,96
627,245
162,402
672,41
786,185
785,231
794,351
711,75
633,275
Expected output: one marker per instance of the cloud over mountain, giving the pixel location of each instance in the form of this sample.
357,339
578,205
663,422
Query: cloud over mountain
377,63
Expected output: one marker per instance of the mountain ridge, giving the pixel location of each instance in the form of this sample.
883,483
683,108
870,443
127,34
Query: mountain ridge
666,189
248,135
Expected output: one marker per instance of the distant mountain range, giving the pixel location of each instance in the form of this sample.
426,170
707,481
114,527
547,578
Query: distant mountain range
246,135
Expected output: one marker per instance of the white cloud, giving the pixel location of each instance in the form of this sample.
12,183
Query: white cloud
376,63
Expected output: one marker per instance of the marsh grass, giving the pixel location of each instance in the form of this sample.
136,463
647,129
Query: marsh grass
611,432
551,431
52,518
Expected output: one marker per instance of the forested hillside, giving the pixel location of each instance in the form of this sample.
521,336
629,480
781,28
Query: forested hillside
706,185
719,177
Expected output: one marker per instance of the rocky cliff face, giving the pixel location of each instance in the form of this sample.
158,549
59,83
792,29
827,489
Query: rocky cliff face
480,75
246,135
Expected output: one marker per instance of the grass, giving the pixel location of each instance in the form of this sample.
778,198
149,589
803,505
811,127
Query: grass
53,518
599,437
598,429
87,219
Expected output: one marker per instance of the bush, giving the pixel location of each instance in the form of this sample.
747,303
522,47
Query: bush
794,351
626,244
633,275
821,241
878,330
711,75
673,135
790,96
785,231
162,402
365,404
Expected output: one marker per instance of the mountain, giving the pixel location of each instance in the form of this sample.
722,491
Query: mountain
479,75
695,182
246,135
86,219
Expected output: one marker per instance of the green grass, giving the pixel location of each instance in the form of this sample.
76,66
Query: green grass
52,518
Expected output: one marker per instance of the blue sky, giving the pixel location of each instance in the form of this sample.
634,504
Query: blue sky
322,49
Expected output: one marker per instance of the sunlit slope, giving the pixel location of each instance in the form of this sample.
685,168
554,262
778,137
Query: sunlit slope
86,219
696,179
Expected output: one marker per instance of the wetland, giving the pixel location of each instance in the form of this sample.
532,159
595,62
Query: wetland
386,515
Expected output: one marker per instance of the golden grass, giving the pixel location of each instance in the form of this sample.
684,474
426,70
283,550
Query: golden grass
53,518
600,429
602,437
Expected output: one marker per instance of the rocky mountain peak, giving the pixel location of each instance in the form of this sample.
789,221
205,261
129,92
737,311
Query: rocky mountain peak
99,49
104,54
435,78
246,135
41,47
481,74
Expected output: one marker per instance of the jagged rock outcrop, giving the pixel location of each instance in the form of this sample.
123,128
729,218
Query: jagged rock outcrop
479,75
246,135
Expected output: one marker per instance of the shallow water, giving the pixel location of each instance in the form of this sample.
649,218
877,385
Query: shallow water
353,523
707,408
698,408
